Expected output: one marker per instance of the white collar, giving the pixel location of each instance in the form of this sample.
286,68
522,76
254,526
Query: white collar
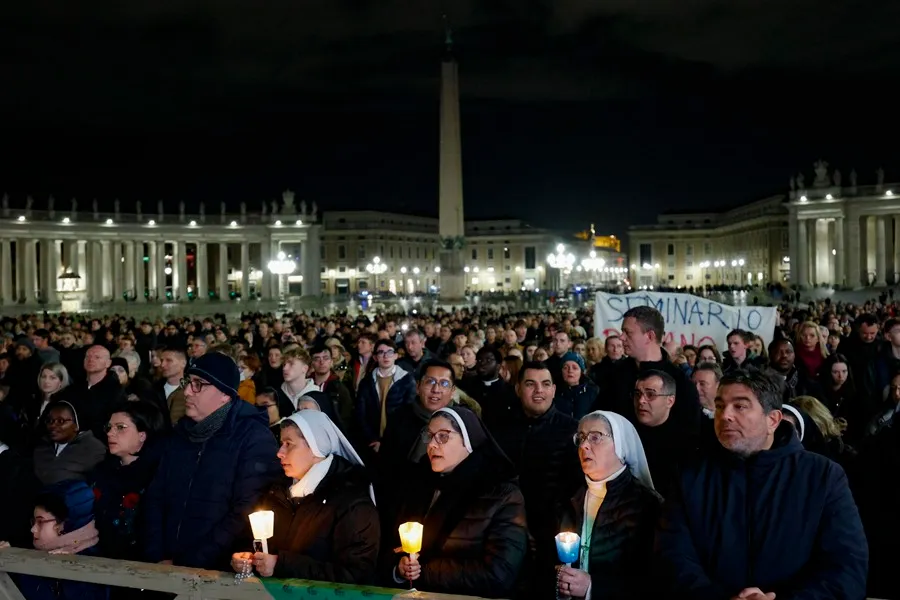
309,482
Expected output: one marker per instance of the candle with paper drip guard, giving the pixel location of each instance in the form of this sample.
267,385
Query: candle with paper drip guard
567,547
411,539
263,524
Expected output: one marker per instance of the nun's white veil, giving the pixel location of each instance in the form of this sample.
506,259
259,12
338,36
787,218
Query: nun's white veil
324,437
628,444
801,426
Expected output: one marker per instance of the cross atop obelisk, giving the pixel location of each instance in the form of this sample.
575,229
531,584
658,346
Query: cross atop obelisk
451,224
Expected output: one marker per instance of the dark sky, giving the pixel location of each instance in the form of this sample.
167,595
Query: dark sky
573,110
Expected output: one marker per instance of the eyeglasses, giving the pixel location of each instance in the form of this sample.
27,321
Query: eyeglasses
385,353
42,521
650,395
119,427
593,437
431,382
441,436
196,385
59,422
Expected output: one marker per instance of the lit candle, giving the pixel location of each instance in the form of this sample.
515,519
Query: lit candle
567,546
411,539
263,524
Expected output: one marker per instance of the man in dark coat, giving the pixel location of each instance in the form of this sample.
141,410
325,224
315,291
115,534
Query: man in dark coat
760,517
214,469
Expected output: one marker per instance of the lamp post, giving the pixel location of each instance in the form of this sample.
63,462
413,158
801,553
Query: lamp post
593,265
376,268
562,261
283,267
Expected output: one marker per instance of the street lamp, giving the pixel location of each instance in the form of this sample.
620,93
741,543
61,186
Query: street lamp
562,261
593,265
376,268
283,267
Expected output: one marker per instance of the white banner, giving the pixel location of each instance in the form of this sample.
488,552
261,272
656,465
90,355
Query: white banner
689,319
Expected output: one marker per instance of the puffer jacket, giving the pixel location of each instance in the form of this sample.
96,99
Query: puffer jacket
196,508
576,400
331,535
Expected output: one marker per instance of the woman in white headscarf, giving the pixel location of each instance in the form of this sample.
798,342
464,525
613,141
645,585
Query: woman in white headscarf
614,513
326,525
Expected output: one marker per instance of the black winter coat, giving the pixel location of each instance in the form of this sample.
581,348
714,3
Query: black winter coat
475,534
546,460
577,400
782,520
621,538
196,508
331,535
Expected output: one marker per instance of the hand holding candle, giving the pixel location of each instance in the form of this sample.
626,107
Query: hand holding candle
567,546
263,524
411,539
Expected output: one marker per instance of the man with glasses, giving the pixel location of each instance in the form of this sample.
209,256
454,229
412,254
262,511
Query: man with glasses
400,448
380,394
538,440
665,443
219,461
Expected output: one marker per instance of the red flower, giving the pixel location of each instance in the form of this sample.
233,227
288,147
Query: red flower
131,500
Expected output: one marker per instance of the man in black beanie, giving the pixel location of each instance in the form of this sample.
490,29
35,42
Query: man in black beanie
214,469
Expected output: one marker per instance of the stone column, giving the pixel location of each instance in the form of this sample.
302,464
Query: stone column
106,269
31,282
274,280
312,263
161,285
70,253
245,271
202,274
793,247
139,272
840,258
223,272
803,252
854,254
89,277
880,251
129,267
81,246
264,257
49,260
117,272
896,249
20,269
180,270
6,284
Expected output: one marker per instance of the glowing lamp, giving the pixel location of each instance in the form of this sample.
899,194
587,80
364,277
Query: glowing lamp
411,539
263,524
567,546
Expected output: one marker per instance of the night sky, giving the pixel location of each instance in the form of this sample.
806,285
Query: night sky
573,110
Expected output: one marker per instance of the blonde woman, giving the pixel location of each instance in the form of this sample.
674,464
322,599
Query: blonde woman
593,351
826,437
812,350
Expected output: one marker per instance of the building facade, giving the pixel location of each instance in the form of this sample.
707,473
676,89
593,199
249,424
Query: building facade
389,252
65,258
745,245
843,233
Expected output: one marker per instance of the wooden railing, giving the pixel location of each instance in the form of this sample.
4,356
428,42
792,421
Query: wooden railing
185,583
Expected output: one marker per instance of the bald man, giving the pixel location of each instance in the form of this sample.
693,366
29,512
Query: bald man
98,393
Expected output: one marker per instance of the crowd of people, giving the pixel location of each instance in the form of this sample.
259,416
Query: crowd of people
755,471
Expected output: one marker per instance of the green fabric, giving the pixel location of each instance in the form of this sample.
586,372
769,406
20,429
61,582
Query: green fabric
292,589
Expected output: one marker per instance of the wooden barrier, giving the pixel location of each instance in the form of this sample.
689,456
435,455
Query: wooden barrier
185,583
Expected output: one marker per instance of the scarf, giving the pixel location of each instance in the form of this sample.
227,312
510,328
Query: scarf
208,427
593,498
307,484
73,542
810,359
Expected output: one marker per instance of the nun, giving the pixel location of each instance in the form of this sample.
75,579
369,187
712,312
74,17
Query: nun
614,513
473,514
326,525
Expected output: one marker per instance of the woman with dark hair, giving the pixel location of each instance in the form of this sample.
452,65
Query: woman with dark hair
475,537
121,479
839,394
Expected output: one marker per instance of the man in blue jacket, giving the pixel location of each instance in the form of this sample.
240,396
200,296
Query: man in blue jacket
760,517
219,461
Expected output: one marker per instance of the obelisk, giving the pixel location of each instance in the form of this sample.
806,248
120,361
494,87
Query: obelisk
451,225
